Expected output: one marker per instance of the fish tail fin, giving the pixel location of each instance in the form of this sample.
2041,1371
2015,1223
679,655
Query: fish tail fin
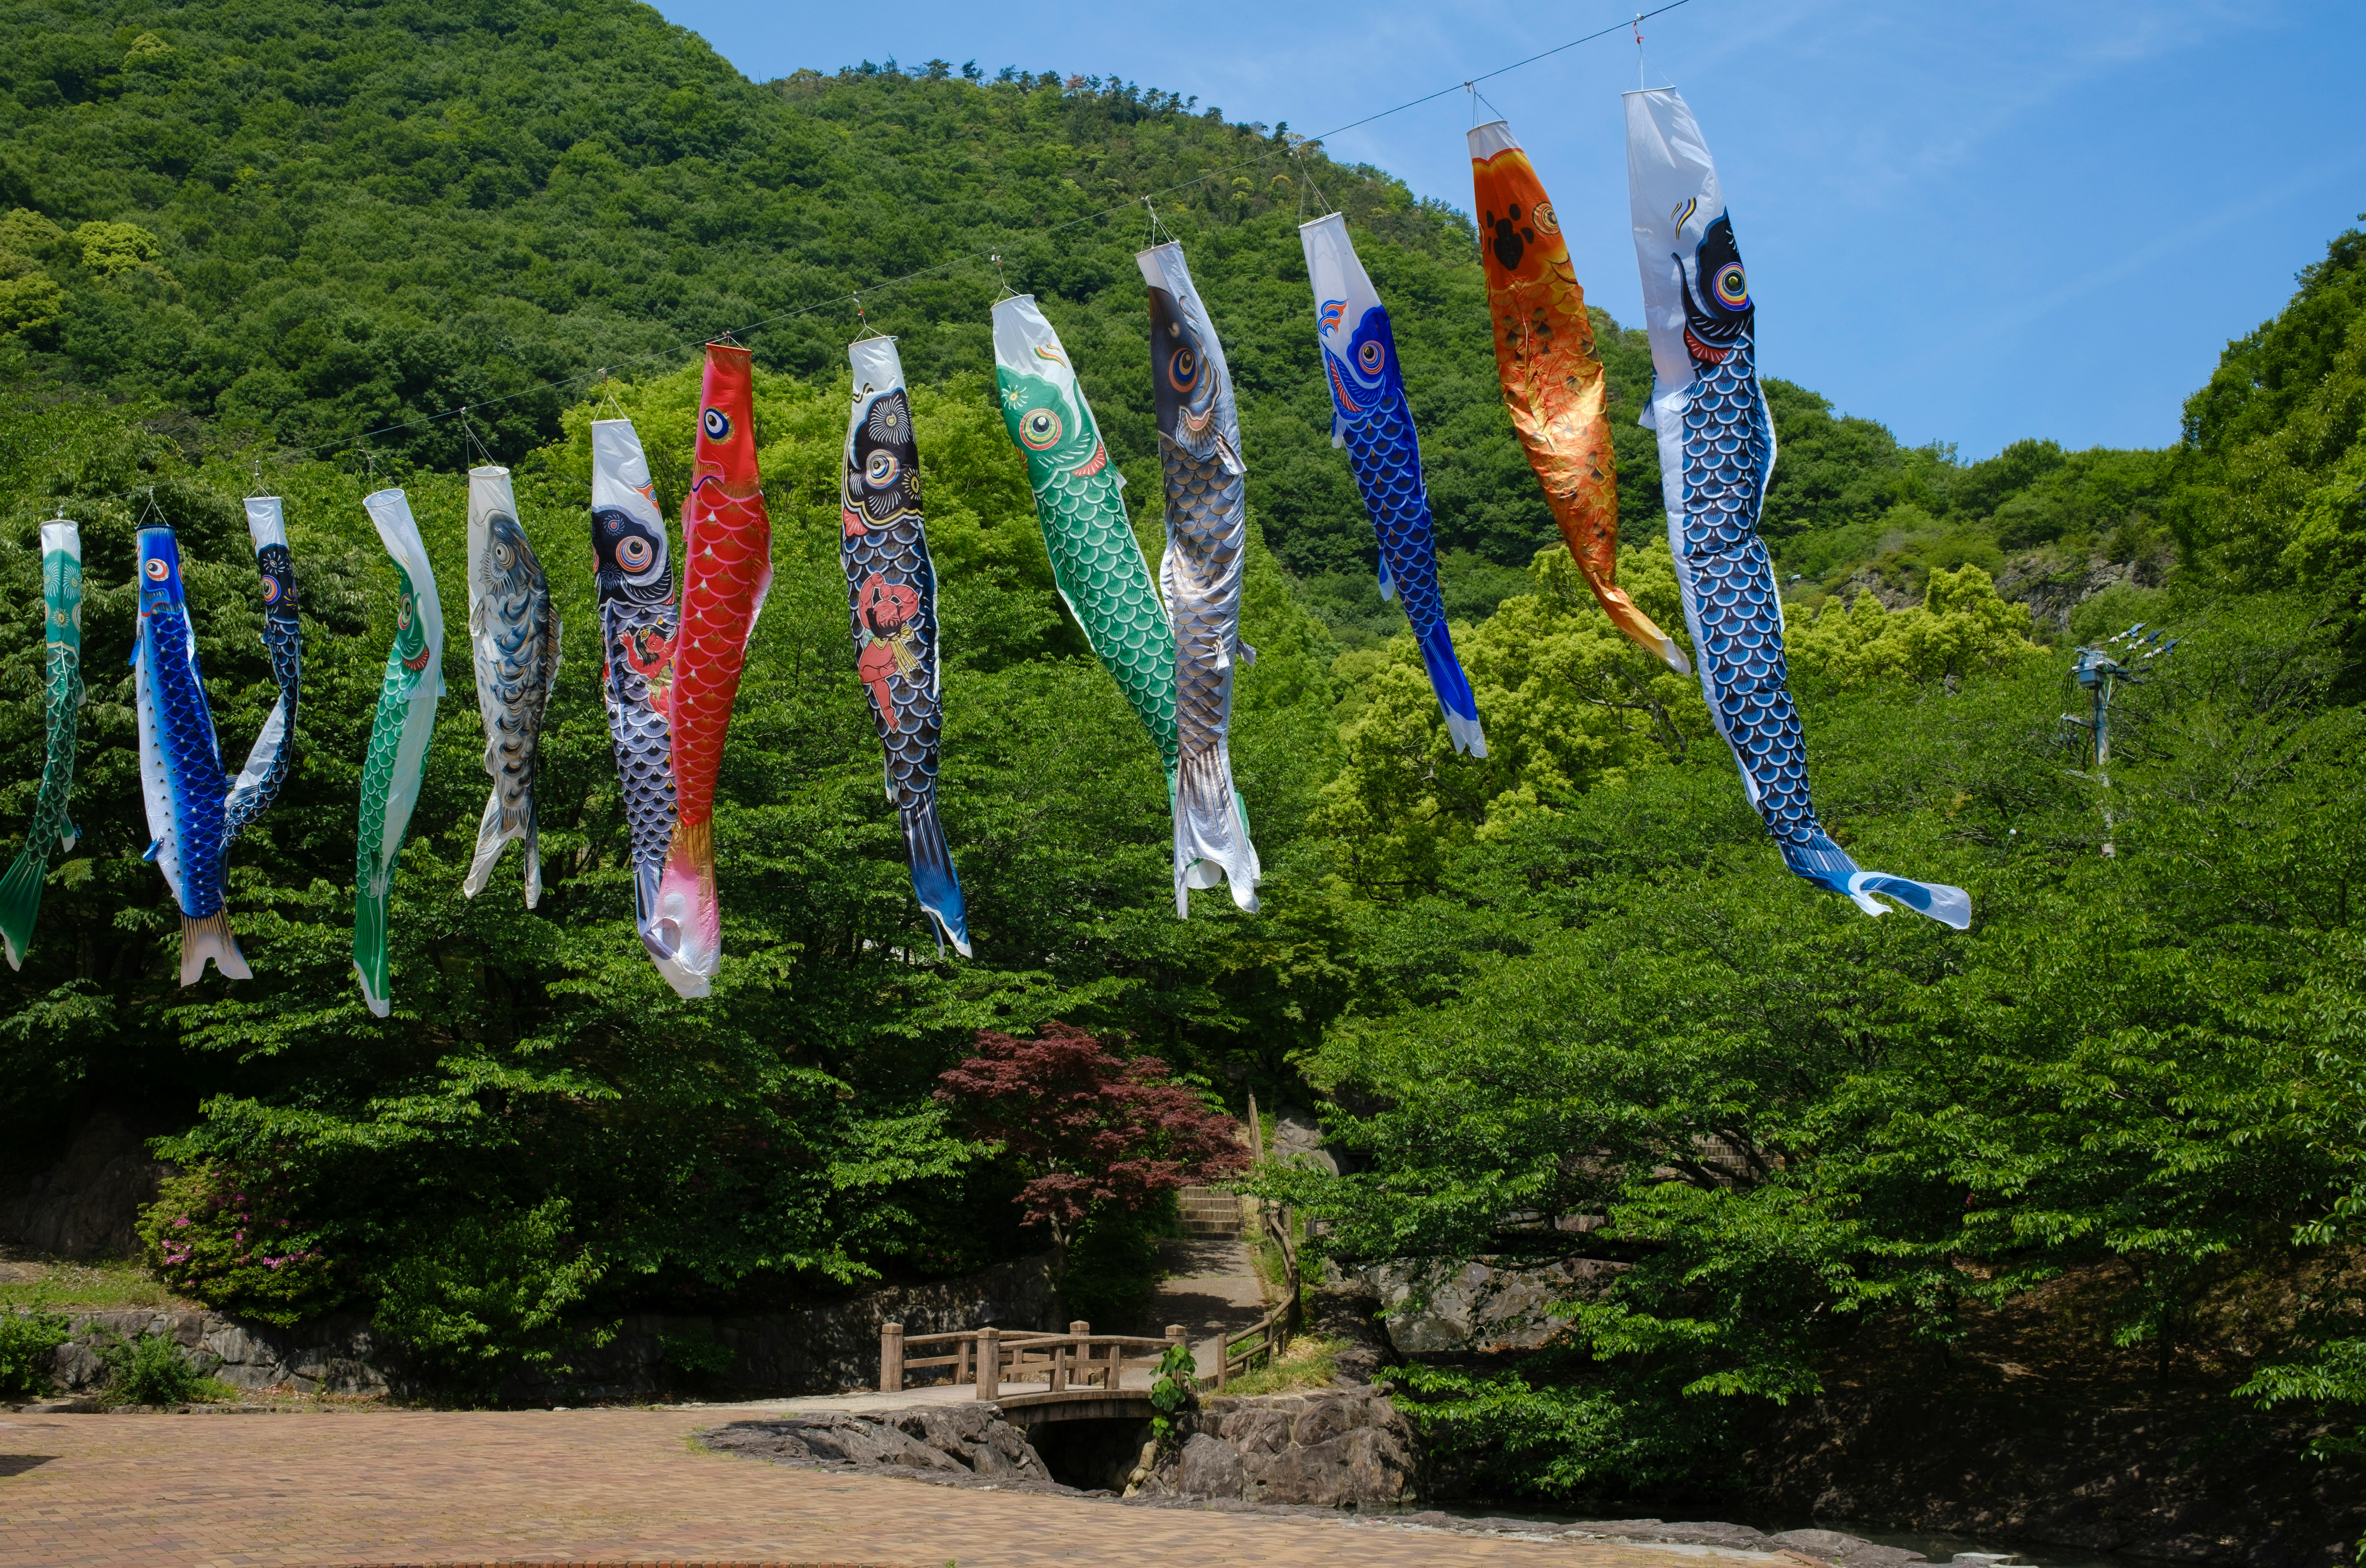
1453,689
1827,865
1211,835
493,836
660,937
934,881
686,901
1641,629
210,936
1948,905
370,963
20,902
533,838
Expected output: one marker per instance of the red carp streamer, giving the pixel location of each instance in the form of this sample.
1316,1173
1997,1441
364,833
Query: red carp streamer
727,565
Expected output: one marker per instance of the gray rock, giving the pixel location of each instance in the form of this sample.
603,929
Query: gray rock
89,1204
959,1442
1484,1304
1848,1551
1210,1467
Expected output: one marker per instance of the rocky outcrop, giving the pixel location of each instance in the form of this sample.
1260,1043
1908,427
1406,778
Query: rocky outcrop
1347,1309
954,1443
87,1205
1485,1304
1345,1450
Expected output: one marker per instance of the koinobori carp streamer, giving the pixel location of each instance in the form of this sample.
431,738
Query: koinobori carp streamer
891,597
1080,504
1716,451
1553,382
1207,550
1370,419
257,784
513,644
727,543
396,763
50,831
180,762
634,573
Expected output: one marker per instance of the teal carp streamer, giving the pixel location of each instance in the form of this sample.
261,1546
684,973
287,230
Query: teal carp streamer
50,833
396,763
1079,501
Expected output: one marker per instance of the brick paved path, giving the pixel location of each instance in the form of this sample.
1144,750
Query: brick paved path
604,1485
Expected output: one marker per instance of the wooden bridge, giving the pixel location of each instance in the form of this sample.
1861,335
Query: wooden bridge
1039,1376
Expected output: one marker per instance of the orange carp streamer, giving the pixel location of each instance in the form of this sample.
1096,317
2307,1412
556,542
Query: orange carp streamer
1553,378
726,566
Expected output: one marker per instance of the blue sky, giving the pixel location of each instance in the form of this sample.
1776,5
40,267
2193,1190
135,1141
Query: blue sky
1974,222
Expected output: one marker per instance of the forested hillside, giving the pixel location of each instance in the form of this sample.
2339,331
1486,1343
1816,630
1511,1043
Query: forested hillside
268,245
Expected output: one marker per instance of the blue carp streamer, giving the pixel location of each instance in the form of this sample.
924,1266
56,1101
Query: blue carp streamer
1716,452
1370,419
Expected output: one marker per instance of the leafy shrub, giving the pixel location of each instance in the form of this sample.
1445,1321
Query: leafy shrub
484,1299
1176,1385
151,1369
26,1340
224,1236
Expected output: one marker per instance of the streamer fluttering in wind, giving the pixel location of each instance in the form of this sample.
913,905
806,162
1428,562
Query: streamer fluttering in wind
1080,503
396,763
180,762
257,784
726,542
1553,383
891,596
514,643
50,833
1207,548
1370,419
1716,451
634,570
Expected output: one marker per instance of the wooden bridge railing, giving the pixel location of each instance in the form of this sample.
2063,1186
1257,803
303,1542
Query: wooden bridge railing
990,1357
1237,1354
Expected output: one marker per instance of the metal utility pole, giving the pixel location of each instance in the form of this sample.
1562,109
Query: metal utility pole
2100,670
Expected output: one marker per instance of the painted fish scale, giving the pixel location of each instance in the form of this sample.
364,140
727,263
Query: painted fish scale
1096,561
729,547
1386,457
1204,504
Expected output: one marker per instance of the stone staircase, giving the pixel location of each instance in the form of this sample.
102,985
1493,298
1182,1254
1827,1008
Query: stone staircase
1209,1211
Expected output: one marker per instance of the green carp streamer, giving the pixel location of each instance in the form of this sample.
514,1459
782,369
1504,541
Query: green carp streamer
395,764
1095,561
50,833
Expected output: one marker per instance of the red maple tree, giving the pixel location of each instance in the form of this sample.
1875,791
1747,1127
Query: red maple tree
1090,1127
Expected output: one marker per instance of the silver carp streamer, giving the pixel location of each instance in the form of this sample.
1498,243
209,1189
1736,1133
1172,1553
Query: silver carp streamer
513,638
1199,575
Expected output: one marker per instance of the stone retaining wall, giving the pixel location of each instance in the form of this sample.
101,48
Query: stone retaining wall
817,1350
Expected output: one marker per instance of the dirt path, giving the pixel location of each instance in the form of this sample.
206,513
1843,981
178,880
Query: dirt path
1212,1287
603,1486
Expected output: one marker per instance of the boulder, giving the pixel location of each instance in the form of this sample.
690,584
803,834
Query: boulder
966,1442
1350,1449
87,1205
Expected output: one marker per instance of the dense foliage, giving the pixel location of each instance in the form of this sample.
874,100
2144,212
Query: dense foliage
1563,1002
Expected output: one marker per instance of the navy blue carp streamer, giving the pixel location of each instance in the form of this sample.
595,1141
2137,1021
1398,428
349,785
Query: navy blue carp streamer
1370,419
1716,453
257,784
633,573
891,600
180,764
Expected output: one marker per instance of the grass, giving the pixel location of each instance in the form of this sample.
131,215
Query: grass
83,1287
1310,1361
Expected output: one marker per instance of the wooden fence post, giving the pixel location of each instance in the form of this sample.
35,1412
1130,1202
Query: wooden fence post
891,1358
989,1364
1073,1362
